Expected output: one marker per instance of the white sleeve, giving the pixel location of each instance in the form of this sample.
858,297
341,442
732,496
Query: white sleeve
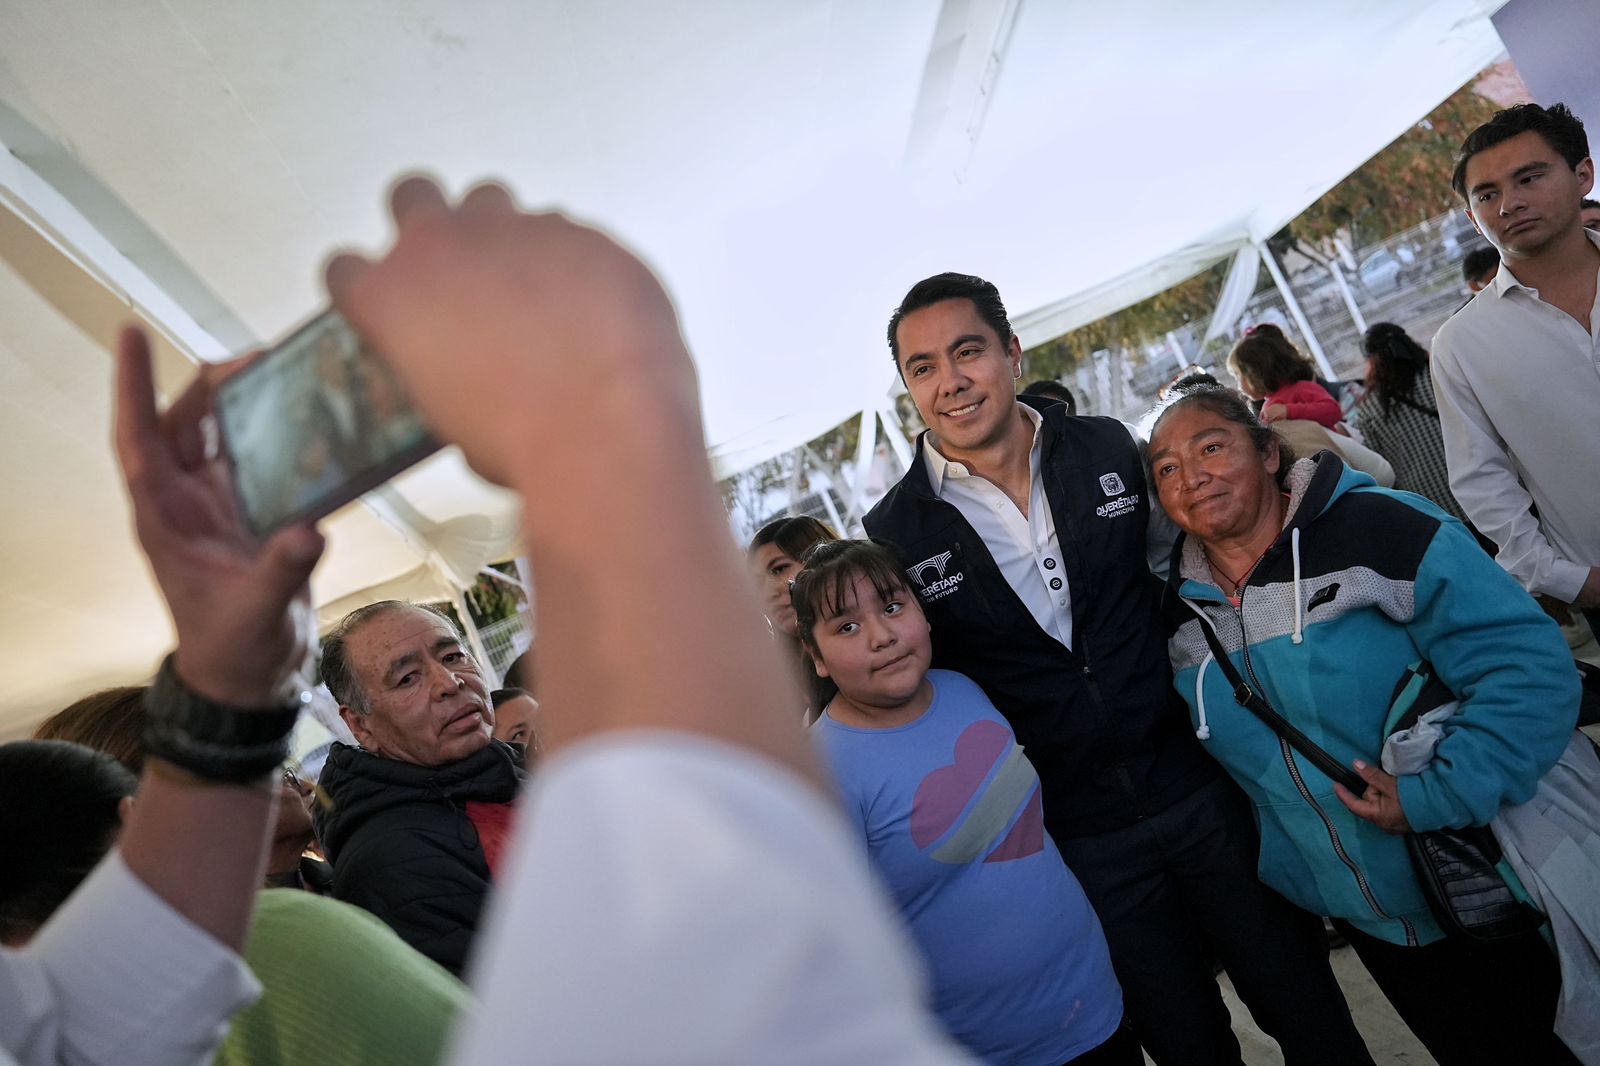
118,978
672,899
1363,458
1486,484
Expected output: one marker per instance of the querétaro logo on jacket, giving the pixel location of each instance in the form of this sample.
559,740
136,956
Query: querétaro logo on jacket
931,579
1111,484
984,806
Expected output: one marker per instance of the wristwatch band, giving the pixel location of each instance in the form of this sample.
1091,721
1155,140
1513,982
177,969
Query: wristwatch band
214,740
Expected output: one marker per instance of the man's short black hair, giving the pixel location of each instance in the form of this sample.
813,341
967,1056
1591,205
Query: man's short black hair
929,291
1479,263
1560,128
1052,390
1585,204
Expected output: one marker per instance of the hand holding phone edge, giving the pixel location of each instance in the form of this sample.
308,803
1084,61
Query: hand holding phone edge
241,608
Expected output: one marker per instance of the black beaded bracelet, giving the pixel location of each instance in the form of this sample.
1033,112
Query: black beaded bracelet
214,740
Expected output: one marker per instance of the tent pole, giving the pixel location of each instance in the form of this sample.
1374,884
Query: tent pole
895,433
1349,297
866,445
475,640
1298,315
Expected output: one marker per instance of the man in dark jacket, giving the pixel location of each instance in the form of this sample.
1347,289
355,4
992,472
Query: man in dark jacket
419,812
1024,533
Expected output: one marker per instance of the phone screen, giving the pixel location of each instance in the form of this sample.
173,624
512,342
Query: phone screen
314,423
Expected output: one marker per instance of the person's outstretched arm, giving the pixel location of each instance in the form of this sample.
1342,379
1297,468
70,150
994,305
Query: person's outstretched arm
140,966
243,618
683,886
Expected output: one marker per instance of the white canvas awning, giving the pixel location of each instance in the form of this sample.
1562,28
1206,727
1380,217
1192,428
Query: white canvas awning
790,168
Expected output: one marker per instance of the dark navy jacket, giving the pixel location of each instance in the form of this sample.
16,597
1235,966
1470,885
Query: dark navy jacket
403,846
1101,722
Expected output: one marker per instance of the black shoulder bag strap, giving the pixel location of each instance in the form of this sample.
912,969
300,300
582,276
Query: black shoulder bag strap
1257,705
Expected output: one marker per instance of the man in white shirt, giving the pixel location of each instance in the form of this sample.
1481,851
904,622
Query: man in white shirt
683,887
1517,371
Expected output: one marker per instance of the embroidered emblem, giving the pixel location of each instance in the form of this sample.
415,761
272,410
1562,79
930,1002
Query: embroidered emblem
931,580
937,563
1111,484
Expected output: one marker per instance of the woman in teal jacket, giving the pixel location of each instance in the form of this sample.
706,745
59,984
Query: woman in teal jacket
1324,590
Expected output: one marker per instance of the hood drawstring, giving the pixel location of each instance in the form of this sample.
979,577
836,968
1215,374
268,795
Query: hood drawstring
1299,615
1204,732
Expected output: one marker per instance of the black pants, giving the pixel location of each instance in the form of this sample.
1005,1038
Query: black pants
1471,1003
1180,888
1120,1049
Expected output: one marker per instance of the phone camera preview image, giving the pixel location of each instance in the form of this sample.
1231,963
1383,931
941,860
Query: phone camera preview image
314,423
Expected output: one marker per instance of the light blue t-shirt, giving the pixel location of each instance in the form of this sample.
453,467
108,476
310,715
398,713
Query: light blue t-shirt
950,810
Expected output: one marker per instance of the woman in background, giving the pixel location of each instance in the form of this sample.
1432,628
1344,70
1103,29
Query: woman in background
1399,417
776,554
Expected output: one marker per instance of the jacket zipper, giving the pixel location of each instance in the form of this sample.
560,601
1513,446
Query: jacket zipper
1287,751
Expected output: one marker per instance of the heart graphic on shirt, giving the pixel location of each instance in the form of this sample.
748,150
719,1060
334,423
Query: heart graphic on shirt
969,808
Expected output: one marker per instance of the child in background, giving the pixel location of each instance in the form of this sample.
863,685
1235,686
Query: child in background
949,810
1272,370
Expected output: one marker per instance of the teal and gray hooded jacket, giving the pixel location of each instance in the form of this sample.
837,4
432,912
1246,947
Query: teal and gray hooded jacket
1362,584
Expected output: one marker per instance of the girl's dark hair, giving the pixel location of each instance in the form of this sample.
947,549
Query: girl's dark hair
58,818
1396,362
830,570
1232,406
111,720
794,536
1269,359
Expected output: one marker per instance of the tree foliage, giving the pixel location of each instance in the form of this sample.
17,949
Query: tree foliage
1131,328
1403,185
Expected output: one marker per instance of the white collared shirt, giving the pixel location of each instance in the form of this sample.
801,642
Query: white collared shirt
1518,386
117,976
1024,547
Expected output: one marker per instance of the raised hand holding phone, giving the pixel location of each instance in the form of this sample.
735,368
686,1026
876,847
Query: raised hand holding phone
242,607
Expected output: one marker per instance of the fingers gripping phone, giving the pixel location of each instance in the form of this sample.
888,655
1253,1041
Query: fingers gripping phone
313,423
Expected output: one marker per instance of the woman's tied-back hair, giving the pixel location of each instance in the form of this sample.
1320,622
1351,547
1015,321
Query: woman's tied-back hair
1269,359
59,815
111,720
823,588
794,535
1396,362
1231,406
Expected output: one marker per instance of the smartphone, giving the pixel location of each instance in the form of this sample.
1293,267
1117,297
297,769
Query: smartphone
313,423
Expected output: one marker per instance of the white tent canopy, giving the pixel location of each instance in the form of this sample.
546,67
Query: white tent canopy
789,168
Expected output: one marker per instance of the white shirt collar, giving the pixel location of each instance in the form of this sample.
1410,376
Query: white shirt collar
939,468
1504,281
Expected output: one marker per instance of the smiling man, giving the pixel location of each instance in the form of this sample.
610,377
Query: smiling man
1517,371
1028,537
419,812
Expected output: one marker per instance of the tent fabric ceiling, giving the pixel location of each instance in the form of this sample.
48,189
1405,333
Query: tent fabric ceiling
758,154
